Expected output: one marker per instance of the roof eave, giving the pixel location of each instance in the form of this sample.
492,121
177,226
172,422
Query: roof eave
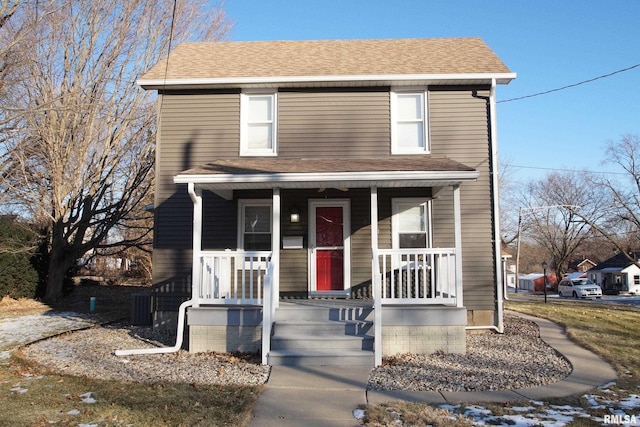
381,80
337,179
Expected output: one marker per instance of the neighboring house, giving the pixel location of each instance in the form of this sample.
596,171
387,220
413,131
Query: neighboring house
333,169
109,264
581,265
508,270
617,274
509,277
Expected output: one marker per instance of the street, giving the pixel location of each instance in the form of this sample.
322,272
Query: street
615,299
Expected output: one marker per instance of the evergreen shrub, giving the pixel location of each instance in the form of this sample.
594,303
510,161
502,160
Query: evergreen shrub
18,276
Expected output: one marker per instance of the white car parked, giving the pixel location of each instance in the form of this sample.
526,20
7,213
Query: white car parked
579,288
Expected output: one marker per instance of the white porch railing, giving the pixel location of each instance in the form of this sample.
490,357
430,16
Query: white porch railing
418,276
401,276
231,277
412,276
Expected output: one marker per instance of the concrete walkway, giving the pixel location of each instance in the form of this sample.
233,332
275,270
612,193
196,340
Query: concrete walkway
327,395
311,396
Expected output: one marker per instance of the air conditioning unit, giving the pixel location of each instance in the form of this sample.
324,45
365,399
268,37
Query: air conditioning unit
141,309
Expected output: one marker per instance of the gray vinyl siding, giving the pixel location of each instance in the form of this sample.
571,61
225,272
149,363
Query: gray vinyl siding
459,130
294,269
197,128
442,227
360,236
193,129
338,124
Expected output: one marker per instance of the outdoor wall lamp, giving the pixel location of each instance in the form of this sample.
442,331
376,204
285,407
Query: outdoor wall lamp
294,215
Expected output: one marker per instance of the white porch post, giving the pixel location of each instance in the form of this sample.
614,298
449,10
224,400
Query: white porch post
457,226
375,281
275,247
196,198
271,295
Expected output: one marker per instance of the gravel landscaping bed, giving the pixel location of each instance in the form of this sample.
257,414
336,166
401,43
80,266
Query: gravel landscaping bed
516,359
91,353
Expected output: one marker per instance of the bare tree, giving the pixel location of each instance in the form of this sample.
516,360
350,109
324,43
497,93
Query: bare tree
508,204
620,196
8,58
82,156
550,215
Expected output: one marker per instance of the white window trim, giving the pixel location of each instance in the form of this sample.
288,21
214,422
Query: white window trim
393,103
395,203
244,117
242,204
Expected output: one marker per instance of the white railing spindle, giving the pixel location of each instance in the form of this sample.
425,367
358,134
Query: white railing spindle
418,276
232,277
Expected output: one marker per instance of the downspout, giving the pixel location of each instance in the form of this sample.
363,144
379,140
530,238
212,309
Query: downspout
197,224
493,164
158,350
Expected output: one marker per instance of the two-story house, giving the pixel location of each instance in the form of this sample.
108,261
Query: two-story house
354,182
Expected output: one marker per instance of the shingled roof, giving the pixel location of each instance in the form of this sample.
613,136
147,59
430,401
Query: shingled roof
244,61
405,171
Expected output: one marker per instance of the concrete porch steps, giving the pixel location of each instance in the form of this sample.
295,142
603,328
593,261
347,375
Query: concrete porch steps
318,358
332,327
325,334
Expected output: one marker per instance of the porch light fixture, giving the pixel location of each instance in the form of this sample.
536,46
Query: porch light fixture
295,215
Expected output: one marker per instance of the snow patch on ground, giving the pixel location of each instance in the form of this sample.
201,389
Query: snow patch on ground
630,402
20,330
87,398
538,414
359,414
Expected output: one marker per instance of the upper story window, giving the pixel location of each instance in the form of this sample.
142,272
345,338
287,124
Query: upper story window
258,124
409,122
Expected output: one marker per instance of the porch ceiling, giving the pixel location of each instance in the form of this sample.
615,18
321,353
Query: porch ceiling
270,172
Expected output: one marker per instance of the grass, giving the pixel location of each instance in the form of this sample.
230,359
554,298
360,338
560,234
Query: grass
31,397
609,330
412,414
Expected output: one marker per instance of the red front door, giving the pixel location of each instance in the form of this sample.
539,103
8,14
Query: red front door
329,251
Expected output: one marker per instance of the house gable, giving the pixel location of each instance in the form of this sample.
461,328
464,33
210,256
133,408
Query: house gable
619,261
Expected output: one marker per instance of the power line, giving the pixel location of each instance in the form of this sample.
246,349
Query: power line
564,170
173,20
572,85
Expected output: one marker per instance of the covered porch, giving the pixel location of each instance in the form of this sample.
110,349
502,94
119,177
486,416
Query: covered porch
400,280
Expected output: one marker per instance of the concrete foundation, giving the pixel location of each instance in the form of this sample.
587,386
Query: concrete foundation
480,317
225,329
405,329
420,330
